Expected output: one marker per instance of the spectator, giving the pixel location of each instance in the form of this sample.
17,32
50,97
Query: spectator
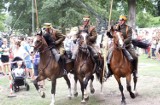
29,65
5,56
153,47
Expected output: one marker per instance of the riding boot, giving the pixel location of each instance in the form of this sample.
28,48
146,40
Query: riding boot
96,59
63,60
98,69
109,73
56,54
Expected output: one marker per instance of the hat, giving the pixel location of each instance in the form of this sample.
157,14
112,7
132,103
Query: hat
85,18
47,25
122,17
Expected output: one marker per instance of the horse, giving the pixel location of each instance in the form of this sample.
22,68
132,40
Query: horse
85,68
121,66
49,68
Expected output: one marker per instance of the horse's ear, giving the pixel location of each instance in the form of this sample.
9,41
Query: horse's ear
39,33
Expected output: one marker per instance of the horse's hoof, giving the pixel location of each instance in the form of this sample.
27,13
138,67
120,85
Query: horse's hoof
135,93
86,99
76,94
43,95
92,90
132,95
83,102
123,102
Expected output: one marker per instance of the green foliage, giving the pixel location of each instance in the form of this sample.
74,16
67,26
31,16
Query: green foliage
147,20
2,26
143,19
68,13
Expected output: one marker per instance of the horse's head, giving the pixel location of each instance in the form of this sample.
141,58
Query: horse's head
83,41
118,39
39,42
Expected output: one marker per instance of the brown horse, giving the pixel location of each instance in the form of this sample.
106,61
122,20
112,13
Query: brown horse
85,68
121,66
49,68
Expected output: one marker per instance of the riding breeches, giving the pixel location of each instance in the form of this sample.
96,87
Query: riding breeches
133,53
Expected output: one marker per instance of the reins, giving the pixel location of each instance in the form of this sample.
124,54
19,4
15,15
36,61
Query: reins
46,65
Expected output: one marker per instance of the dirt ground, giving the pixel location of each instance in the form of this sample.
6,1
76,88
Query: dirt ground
147,88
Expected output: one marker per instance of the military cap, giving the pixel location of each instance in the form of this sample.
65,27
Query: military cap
122,17
85,18
47,25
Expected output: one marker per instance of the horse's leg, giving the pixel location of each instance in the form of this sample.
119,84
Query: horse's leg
123,102
75,86
91,85
128,80
135,82
53,91
35,82
69,86
82,90
85,83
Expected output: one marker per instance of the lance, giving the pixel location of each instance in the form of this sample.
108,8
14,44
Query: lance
105,48
37,22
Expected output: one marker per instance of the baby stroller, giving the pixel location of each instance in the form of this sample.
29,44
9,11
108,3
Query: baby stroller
18,73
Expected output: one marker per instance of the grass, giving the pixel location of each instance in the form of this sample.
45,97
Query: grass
147,68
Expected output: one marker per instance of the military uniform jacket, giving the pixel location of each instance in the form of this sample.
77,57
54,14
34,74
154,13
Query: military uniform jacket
126,32
92,34
58,37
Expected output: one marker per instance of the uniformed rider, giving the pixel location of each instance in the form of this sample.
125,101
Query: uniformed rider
54,39
128,49
86,27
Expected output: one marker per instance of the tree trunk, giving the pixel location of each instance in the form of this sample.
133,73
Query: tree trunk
132,13
158,7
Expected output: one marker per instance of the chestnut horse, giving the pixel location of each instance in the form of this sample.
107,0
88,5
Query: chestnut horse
49,68
121,66
85,68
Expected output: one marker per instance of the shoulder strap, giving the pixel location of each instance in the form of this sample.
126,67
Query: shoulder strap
91,28
127,31
54,33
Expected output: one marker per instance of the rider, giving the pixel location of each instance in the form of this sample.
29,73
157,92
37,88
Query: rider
127,34
86,27
54,39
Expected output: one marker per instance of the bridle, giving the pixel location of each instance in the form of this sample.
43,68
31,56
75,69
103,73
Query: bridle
38,46
118,40
39,43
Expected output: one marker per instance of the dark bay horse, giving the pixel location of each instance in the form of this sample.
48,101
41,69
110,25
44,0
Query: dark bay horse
85,68
121,66
49,68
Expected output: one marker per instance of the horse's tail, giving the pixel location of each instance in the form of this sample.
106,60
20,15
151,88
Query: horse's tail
140,44
99,77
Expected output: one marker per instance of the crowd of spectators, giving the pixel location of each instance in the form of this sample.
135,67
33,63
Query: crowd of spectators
152,37
16,47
